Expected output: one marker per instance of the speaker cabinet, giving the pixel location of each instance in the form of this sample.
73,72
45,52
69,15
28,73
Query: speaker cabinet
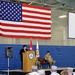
8,52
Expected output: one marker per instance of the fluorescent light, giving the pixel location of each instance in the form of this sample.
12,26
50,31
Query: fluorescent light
62,16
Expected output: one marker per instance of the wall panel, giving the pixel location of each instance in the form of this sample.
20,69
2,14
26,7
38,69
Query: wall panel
63,55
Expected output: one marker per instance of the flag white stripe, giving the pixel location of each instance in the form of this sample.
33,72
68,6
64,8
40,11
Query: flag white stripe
25,24
24,29
35,9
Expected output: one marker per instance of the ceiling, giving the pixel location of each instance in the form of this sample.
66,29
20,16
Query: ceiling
59,7
66,5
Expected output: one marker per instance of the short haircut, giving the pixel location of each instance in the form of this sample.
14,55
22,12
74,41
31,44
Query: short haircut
24,46
48,52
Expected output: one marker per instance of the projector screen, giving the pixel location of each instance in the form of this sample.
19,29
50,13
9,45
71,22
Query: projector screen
71,25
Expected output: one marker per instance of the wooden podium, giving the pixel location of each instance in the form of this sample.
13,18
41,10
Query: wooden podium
28,61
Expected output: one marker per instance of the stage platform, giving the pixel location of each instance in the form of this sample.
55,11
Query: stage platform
20,72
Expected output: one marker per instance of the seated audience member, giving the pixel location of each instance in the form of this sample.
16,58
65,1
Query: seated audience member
70,71
34,73
54,70
64,72
41,72
73,73
49,59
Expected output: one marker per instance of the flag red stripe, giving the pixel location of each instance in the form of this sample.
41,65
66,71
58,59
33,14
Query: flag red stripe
34,37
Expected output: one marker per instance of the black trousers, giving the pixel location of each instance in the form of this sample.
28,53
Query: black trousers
21,63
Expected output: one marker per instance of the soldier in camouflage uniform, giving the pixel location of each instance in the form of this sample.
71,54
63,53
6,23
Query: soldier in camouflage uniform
49,59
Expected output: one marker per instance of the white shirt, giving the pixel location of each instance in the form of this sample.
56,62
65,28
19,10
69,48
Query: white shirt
54,73
73,73
34,73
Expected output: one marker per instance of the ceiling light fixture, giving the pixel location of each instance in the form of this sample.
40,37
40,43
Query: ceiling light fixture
62,16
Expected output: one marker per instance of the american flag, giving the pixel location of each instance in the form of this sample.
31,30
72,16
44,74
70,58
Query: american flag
24,21
37,50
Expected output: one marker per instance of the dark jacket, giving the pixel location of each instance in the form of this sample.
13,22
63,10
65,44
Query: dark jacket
21,53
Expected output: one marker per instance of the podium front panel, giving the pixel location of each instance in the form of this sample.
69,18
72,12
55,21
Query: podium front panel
28,61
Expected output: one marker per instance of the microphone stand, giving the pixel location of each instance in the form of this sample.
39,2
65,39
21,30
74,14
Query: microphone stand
8,65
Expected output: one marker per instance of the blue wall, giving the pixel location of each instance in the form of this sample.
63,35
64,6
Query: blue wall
64,55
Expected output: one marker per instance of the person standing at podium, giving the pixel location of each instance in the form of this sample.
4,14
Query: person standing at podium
24,49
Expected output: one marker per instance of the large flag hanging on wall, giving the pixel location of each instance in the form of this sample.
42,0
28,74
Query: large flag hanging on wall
24,21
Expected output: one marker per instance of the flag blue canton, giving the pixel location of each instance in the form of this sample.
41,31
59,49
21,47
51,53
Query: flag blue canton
11,11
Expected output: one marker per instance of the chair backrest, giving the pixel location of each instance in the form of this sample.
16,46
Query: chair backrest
40,59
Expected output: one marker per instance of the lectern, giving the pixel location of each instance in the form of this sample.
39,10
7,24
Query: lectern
28,61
